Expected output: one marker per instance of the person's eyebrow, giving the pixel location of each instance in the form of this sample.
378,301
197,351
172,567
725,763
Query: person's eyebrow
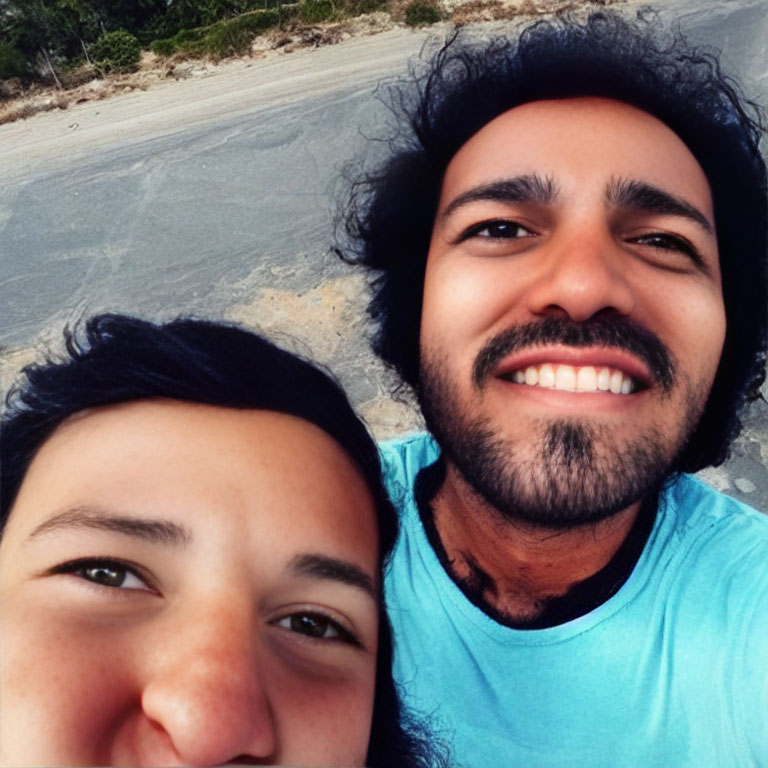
332,569
526,188
638,195
148,529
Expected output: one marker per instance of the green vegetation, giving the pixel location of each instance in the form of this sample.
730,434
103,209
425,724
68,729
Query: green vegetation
164,47
117,51
55,34
41,38
50,40
421,12
12,62
231,38
192,14
315,11
224,38
356,7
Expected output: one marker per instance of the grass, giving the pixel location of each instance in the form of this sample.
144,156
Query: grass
420,13
21,111
231,37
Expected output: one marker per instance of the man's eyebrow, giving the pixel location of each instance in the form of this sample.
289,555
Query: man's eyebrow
152,530
333,569
629,193
527,188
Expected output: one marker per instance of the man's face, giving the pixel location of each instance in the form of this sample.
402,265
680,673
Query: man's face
188,585
573,316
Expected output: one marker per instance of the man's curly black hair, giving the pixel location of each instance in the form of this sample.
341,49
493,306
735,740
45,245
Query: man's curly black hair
388,216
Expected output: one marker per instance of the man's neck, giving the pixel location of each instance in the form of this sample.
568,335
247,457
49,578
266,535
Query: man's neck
518,569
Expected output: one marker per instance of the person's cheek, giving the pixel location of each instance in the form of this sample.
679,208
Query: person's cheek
325,717
70,688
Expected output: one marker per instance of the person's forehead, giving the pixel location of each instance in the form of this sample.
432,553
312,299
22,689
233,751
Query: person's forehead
157,452
577,139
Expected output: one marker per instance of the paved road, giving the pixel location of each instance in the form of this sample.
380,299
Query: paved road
161,207
214,197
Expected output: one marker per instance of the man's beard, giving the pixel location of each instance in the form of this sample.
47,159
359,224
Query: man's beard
564,472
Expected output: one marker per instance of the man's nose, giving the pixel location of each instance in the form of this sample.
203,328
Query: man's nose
209,695
582,274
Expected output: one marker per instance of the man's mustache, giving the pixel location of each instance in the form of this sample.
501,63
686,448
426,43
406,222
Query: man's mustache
614,332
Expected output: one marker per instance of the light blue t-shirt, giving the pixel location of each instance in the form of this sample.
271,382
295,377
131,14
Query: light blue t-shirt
672,671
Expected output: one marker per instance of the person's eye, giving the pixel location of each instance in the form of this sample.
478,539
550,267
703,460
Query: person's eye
105,572
317,627
664,241
496,229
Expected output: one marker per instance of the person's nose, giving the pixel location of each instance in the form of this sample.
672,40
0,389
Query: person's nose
209,693
582,275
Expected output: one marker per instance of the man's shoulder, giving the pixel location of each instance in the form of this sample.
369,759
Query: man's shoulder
404,457
697,503
718,590
401,461
716,535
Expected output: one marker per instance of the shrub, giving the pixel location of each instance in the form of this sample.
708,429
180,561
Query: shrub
165,47
119,51
257,21
189,35
356,7
231,37
12,62
421,12
234,37
315,11
227,40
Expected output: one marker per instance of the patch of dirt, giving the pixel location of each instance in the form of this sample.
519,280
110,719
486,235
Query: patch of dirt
473,11
482,10
293,37
11,363
325,323
85,84
325,318
388,418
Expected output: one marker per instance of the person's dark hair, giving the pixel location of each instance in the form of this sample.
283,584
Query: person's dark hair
388,216
117,359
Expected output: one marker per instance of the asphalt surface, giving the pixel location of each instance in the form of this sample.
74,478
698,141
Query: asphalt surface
215,198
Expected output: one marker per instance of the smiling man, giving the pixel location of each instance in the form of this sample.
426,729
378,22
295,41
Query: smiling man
572,252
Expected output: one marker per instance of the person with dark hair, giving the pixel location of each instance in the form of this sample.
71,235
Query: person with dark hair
193,530
568,251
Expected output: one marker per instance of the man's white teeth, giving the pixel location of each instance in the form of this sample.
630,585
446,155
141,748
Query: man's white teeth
575,379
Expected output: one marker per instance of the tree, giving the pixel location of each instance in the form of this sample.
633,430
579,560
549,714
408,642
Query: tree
12,62
34,28
48,32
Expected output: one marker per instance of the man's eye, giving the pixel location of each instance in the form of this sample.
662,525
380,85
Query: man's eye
105,573
498,229
663,241
316,626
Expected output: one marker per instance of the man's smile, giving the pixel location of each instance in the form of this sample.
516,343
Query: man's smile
577,370
566,378
601,356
